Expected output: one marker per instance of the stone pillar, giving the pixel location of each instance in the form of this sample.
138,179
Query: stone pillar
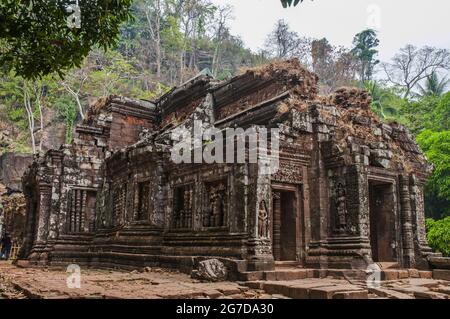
406,222
276,215
45,193
421,247
54,219
157,215
259,251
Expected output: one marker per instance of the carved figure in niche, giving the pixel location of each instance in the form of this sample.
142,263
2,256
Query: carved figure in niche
215,210
341,207
263,220
183,207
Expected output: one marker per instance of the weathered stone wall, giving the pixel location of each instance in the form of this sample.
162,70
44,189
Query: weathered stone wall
12,167
12,214
115,197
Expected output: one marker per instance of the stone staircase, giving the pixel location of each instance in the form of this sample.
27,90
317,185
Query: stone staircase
290,280
285,273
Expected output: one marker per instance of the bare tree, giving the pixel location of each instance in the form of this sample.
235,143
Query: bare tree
30,112
284,43
336,66
224,15
73,84
411,65
154,15
38,89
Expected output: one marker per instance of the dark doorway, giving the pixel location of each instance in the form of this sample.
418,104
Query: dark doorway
284,232
382,212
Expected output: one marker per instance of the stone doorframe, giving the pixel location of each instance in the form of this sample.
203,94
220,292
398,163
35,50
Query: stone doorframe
396,229
300,240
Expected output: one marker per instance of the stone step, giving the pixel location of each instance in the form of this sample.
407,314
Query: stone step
288,274
292,273
388,265
311,289
287,264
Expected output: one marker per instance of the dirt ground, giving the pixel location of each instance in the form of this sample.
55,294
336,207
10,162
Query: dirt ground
154,283
157,283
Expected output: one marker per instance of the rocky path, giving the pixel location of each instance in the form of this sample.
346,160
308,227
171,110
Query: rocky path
156,283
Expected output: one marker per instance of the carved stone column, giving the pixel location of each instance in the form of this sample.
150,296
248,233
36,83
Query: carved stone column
421,247
276,221
259,250
45,195
406,221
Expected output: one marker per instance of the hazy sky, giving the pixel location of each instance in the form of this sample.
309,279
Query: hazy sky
399,22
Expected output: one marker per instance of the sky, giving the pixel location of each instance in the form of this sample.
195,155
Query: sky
398,22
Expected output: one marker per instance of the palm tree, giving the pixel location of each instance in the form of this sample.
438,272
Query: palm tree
381,100
288,3
433,86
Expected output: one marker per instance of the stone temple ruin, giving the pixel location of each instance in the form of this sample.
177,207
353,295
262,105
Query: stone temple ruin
348,192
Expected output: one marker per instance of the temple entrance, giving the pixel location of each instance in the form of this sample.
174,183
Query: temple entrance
284,225
382,212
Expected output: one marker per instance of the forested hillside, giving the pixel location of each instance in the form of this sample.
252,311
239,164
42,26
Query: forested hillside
170,41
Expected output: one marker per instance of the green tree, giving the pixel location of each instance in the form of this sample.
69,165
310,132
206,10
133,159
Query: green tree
364,48
67,110
438,235
441,114
288,3
428,112
436,146
39,37
386,103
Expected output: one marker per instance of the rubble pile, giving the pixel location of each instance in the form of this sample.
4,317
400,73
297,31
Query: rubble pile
5,139
12,212
350,97
359,132
262,84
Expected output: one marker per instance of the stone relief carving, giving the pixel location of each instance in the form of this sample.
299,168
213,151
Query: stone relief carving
215,210
263,220
341,208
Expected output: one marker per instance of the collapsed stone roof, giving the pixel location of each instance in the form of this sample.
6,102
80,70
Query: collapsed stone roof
282,93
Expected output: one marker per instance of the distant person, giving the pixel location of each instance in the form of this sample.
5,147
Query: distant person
6,246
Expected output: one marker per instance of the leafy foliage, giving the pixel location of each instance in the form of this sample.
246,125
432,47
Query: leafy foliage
438,235
67,109
436,145
288,3
36,39
365,44
433,85
386,103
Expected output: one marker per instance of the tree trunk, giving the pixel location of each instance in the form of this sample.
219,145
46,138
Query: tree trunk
30,118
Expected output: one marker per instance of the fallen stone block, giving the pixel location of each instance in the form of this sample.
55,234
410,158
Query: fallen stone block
280,288
357,294
429,295
388,275
441,274
255,284
285,275
391,294
329,292
210,270
251,276
426,274
413,273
